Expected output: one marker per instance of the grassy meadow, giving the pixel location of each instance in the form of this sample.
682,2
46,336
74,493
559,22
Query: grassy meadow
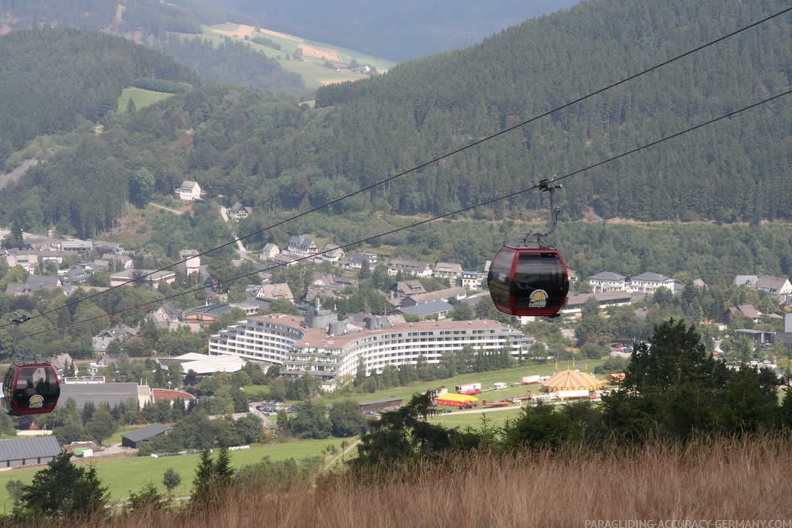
706,482
142,98
126,474
311,68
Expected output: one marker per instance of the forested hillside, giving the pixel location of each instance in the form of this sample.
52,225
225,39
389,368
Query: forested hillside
280,157
51,79
173,28
400,31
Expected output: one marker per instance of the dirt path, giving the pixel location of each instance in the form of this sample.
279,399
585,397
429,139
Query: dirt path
174,211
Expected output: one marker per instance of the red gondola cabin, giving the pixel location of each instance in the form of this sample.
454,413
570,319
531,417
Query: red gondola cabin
30,388
528,280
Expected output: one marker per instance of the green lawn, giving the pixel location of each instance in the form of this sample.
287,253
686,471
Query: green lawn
474,420
123,475
142,98
487,379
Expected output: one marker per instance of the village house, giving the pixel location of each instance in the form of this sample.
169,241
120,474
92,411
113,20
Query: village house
302,246
356,260
102,340
191,261
26,261
742,311
269,252
775,286
409,287
332,253
409,268
649,283
166,317
271,292
446,295
473,280
239,212
447,270
189,191
605,300
36,283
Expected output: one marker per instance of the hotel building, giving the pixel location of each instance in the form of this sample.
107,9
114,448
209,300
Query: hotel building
319,345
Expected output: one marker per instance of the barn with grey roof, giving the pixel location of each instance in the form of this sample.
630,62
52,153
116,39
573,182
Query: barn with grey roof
34,451
136,438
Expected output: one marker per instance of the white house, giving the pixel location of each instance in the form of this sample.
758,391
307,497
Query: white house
606,281
189,191
192,261
649,283
269,252
447,270
774,285
415,268
302,246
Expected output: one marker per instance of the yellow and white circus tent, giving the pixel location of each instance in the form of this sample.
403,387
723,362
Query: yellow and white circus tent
571,380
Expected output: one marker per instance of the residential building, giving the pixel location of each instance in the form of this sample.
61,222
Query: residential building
239,212
473,280
447,270
356,260
102,340
166,317
302,246
269,252
742,311
774,285
189,191
271,292
608,299
409,287
446,295
191,260
606,281
322,346
36,283
332,253
409,268
649,283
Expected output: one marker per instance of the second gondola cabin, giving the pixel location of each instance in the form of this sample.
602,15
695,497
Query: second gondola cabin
30,388
528,280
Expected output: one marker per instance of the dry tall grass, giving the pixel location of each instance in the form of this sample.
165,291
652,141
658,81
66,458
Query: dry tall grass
744,479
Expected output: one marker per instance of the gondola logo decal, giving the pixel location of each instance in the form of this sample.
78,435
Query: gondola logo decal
36,401
538,299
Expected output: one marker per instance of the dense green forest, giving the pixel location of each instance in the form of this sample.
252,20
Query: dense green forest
280,157
50,80
231,62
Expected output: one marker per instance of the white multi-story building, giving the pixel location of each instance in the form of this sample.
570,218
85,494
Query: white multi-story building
606,281
290,342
